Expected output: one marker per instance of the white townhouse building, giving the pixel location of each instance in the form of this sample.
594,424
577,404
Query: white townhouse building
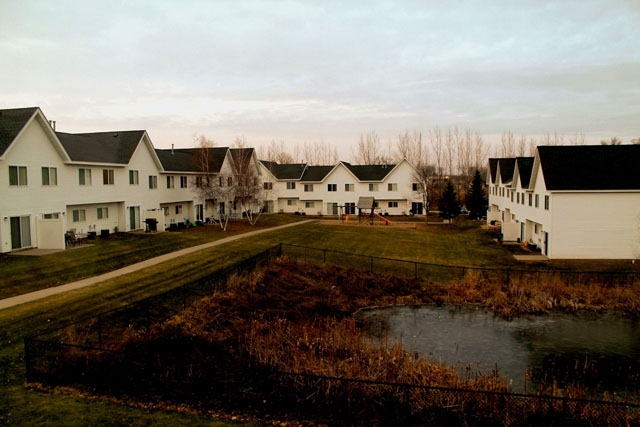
330,190
572,202
96,182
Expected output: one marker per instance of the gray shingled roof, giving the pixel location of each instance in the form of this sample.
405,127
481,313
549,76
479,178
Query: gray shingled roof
101,147
590,167
189,159
241,158
506,167
369,172
316,173
11,123
525,166
493,169
290,171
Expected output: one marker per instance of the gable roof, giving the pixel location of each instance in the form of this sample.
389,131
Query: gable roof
287,171
101,147
316,173
12,121
506,167
241,158
590,167
525,166
493,170
189,159
369,172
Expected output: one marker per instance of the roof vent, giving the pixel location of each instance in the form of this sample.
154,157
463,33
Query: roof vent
115,135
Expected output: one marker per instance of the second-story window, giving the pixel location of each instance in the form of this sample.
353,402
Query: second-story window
153,182
546,203
349,188
134,177
229,181
332,187
537,200
108,176
373,187
291,185
183,181
49,176
17,176
84,176
170,181
308,188
392,186
267,185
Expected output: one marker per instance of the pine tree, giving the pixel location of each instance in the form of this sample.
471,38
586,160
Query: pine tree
477,198
449,205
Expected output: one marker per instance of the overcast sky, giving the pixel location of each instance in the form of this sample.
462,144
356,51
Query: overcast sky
310,71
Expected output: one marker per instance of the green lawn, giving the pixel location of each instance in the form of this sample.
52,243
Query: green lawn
21,406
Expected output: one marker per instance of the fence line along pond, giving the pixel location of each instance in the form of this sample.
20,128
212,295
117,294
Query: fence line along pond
602,351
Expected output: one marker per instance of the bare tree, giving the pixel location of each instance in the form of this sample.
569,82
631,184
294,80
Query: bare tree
276,152
246,187
507,144
450,149
240,142
533,145
635,141
369,150
411,147
522,146
479,152
613,141
320,153
577,139
437,146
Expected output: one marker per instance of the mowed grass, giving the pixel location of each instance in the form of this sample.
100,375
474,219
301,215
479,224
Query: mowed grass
21,405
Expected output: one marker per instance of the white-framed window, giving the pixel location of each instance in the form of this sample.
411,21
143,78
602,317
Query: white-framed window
537,200
49,176
183,181
416,186
392,186
518,198
308,188
78,215
309,204
373,187
103,213
178,209
350,208
54,215
267,185
229,181
170,181
165,210
153,182
17,176
349,188
291,185
546,203
291,202
134,177
393,204
530,199
84,177
332,187
108,176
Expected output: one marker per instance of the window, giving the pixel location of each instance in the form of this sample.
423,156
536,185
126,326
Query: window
393,204
133,177
229,181
17,175
373,187
530,199
107,176
178,209
103,213
349,188
49,176
153,182
309,204
291,202
537,200
220,182
308,188
392,187
200,181
54,215
267,185
350,208
291,185
78,215
416,186
546,203
537,228
518,198
170,181
332,187
84,176
165,209
183,182
512,196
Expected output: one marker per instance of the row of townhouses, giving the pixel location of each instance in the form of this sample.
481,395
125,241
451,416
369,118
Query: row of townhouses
571,202
106,182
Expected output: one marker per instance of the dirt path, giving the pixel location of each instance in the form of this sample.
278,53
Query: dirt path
44,293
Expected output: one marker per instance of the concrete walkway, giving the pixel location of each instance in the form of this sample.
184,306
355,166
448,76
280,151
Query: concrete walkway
43,293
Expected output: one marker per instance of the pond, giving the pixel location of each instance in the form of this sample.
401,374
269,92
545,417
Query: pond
602,351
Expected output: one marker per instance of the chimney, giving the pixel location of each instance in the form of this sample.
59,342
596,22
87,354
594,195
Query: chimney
52,123
171,148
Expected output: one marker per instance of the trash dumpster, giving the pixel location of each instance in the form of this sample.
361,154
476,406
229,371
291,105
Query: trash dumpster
152,225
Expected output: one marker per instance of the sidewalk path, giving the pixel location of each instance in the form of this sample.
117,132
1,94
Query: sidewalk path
43,293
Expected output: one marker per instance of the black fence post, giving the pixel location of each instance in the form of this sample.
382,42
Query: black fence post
27,358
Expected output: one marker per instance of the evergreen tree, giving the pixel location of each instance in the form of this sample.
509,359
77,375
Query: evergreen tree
477,198
449,205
